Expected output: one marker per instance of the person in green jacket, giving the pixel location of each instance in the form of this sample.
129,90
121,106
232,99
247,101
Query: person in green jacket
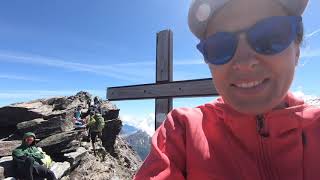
30,161
95,125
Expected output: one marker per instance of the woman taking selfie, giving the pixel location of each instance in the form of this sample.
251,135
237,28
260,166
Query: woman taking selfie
256,130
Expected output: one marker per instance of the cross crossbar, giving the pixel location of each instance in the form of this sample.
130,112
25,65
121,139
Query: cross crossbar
165,88
188,88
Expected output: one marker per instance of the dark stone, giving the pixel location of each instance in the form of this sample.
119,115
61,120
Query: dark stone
45,128
57,143
74,145
6,167
59,103
111,114
109,134
10,116
6,131
75,157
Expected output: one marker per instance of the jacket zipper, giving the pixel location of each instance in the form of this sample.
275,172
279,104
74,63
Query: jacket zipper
264,159
261,126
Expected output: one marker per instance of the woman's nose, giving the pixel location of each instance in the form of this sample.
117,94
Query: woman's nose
245,58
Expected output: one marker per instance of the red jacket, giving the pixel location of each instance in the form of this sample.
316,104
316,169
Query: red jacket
215,142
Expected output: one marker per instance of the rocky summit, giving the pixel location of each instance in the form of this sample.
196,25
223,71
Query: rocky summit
52,122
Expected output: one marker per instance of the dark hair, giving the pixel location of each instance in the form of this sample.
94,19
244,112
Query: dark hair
300,35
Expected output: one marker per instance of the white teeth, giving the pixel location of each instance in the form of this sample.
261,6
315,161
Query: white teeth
249,84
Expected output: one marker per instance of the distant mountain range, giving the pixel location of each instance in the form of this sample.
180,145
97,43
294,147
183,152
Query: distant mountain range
127,130
139,140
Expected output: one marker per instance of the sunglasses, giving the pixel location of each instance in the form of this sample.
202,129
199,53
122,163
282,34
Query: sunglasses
268,37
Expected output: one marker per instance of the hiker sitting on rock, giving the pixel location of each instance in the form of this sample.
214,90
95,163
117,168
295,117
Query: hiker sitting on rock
77,113
78,121
95,125
30,161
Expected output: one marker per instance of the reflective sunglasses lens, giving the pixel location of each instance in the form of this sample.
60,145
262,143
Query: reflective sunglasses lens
220,48
272,36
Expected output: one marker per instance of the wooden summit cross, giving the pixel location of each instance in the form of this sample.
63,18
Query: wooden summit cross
165,88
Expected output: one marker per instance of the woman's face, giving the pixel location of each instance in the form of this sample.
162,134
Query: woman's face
247,67
29,140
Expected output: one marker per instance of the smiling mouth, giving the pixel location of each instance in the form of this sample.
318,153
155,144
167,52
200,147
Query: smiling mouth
250,84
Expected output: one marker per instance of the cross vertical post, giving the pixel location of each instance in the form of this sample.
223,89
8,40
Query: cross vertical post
164,71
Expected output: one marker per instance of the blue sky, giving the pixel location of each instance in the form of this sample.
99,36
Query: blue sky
51,48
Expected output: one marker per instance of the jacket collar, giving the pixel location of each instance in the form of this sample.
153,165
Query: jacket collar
276,121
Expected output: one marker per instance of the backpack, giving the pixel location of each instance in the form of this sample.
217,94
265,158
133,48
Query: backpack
99,124
46,160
